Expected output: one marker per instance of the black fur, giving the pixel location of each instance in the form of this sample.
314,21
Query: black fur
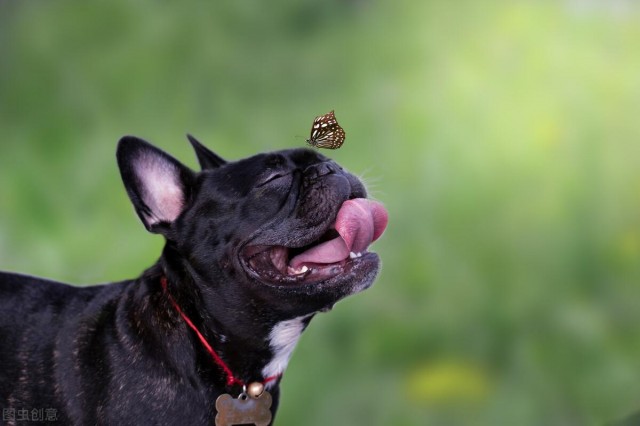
119,354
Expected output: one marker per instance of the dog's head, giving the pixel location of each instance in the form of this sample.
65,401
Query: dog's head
287,231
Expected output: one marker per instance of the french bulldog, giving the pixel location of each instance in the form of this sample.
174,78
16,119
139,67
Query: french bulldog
254,249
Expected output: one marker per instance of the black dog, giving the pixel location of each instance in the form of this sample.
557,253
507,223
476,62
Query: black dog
254,248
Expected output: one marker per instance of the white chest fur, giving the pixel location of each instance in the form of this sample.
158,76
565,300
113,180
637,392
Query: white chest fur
283,339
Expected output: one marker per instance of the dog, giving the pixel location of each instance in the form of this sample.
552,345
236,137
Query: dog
254,249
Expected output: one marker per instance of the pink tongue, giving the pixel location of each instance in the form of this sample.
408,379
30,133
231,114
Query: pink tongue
359,222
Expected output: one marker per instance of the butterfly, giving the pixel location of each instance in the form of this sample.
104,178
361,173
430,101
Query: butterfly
326,132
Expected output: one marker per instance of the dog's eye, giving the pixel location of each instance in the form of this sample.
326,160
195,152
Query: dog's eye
270,177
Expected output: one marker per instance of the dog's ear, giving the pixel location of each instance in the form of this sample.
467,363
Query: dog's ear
158,185
207,158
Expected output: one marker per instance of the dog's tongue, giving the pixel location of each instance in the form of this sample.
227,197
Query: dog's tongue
359,222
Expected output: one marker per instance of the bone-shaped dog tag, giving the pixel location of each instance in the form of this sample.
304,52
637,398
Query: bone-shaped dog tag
243,410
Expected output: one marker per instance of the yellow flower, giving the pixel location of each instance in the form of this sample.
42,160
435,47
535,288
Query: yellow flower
448,382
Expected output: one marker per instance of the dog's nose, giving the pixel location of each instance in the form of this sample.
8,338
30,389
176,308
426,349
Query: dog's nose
321,169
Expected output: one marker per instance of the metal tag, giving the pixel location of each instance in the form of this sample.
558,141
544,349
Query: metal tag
243,410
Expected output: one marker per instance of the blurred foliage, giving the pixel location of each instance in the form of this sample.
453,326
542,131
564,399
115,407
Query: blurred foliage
502,136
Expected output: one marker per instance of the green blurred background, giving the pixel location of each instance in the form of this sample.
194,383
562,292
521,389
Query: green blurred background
503,137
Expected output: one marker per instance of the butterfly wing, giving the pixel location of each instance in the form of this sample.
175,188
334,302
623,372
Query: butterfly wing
326,132
332,138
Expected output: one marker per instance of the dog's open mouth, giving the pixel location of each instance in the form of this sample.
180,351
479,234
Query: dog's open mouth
358,223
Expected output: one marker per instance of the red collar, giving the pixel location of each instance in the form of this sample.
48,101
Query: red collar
231,379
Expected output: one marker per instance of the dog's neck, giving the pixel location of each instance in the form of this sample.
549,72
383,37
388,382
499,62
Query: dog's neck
255,345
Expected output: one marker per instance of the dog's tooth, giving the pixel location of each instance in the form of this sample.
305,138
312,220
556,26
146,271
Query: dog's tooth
352,255
297,271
